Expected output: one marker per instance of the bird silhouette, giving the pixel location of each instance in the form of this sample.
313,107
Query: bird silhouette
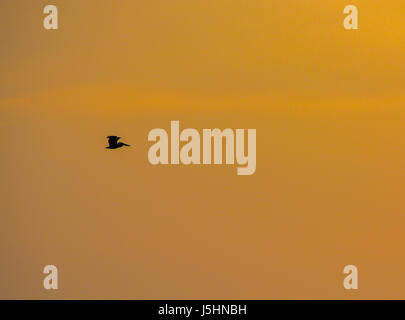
114,144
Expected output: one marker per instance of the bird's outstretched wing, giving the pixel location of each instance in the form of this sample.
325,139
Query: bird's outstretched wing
112,140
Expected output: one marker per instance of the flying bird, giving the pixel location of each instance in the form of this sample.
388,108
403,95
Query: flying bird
114,144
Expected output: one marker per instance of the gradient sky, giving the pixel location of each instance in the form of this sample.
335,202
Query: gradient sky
328,106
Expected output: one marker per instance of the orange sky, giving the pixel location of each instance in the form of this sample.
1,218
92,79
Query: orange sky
328,108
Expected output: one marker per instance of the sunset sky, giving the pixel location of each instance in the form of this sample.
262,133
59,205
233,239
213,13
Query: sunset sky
328,107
